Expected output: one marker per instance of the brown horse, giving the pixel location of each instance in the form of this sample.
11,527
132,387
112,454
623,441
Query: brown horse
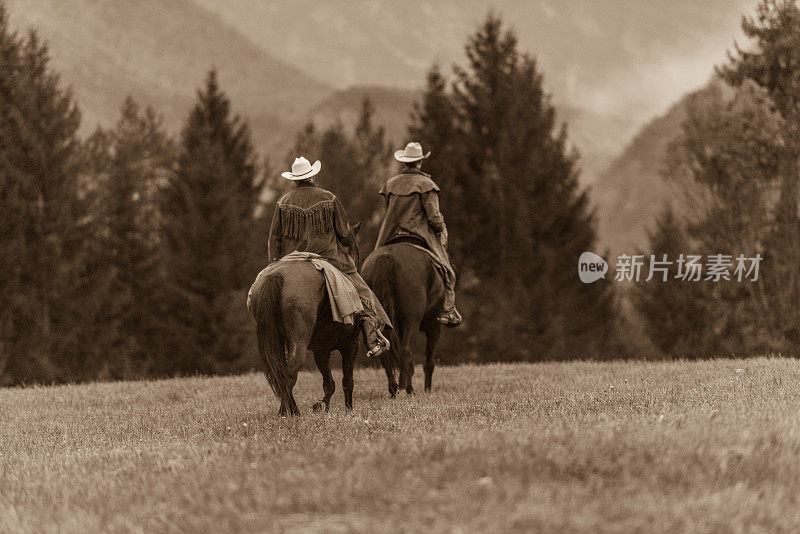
293,315
412,293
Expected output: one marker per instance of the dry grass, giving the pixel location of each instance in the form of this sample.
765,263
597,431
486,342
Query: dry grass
708,446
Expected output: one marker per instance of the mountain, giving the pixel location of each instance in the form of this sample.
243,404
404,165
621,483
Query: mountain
625,60
588,131
393,109
279,60
610,64
633,191
160,52
597,136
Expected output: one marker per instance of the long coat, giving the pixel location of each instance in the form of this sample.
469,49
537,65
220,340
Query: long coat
412,210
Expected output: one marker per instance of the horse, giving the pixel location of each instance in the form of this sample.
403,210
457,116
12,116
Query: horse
411,291
293,315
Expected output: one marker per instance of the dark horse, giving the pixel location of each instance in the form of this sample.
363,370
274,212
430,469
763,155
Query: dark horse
412,293
293,315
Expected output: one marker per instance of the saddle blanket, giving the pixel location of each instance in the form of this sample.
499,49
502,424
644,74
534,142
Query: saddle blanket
342,294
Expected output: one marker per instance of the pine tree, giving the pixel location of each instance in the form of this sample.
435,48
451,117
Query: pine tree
771,64
129,163
511,196
13,205
677,313
50,284
727,164
212,241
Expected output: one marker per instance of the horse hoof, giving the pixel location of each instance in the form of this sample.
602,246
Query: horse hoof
319,406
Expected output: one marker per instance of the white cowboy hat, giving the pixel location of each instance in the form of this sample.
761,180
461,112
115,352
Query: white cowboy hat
412,152
302,169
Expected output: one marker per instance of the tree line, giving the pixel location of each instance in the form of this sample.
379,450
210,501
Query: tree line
736,165
129,253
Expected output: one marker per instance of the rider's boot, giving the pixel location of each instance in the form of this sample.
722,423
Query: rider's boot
450,318
374,339
449,315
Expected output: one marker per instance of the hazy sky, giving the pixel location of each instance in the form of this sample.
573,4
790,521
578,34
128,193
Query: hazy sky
611,65
632,57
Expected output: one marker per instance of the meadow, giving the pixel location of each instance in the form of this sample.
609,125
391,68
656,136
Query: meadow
711,446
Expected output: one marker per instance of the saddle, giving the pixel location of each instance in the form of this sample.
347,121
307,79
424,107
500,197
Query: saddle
346,305
410,240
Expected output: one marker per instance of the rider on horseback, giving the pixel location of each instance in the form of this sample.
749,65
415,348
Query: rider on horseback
311,219
412,215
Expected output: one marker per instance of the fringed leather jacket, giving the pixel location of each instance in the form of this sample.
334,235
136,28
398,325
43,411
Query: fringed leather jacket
311,219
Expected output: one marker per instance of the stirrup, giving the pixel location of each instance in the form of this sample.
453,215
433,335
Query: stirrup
382,346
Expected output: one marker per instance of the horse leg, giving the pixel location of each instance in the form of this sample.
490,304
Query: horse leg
348,361
402,379
295,357
290,407
386,361
323,359
286,407
400,354
431,339
406,361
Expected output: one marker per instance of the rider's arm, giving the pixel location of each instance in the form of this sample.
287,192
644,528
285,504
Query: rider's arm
275,236
430,203
341,225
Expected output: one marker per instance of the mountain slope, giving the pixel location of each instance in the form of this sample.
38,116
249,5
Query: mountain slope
160,52
588,131
610,64
611,56
393,109
632,191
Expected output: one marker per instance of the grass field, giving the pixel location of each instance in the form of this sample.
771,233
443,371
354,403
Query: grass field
595,447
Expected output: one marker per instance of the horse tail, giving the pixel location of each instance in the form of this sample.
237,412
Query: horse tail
271,338
383,275
383,284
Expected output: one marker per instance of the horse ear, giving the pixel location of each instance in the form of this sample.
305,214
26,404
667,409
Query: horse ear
357,227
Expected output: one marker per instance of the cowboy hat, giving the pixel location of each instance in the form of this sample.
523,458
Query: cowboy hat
412,152
302,169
